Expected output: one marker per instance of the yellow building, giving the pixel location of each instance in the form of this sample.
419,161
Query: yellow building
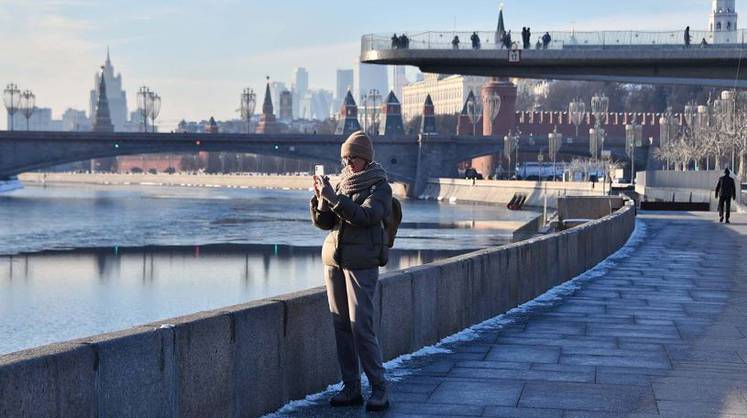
448,93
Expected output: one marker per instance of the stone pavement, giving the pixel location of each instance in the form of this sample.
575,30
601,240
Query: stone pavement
662,332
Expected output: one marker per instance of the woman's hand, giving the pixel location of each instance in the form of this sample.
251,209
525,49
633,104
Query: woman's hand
317,188
328,193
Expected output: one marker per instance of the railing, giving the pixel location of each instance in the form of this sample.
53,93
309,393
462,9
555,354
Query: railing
560,40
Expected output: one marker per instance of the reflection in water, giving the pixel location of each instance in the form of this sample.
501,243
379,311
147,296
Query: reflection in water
253,244
105,289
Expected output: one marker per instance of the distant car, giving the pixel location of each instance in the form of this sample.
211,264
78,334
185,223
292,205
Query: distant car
472,174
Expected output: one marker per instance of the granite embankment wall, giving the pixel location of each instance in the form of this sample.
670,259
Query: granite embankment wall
184,180
246,360
501,191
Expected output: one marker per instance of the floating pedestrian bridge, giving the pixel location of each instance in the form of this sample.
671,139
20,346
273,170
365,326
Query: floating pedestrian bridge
623,56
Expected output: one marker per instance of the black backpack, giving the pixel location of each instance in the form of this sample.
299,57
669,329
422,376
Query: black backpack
391,222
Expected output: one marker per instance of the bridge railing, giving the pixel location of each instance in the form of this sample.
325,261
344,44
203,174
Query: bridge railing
559,40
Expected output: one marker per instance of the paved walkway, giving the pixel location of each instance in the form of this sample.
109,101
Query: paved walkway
660,333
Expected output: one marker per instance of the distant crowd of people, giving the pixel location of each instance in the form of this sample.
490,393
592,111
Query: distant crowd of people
400,42
505,40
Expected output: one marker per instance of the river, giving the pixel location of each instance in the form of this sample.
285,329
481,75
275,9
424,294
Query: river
82,260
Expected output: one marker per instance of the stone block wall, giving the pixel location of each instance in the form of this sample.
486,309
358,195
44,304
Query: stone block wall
250,359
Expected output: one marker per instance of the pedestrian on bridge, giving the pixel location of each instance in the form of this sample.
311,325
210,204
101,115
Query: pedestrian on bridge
688,38
726,191
507,40
546,38
395,41
352,253
475,40
404,41
529,38
455,42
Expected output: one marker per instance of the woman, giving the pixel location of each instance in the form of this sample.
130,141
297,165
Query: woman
352,253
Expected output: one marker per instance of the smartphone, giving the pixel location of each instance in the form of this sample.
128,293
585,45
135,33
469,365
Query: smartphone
319,170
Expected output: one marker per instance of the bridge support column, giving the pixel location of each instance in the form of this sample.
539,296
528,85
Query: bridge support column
433,161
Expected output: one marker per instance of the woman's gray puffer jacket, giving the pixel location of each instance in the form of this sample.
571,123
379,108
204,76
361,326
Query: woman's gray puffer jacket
357,239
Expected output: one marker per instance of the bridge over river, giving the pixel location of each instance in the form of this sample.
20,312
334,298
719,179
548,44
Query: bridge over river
623,56
407,159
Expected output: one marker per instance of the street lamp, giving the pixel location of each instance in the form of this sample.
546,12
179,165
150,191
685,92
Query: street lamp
599,106
248,103
27,105
596,141
667,133
728,113
143,105
11,99
633,137
474,111
540,159
690,111
511,144
372,95
555,140
155,108
577,110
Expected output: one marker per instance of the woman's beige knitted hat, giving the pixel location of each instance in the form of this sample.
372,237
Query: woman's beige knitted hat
357,145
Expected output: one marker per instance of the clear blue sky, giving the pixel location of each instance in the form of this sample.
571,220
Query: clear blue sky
199,55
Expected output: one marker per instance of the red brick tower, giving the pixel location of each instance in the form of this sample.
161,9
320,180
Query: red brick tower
504,121
267,123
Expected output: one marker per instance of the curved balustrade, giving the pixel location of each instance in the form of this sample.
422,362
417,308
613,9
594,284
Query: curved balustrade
560,40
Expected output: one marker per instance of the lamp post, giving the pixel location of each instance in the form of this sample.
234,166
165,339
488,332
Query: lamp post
576,110
11,99
596,141
540,159
633,137
667,132
143,105
511,144
248,103
155,108
555,140
474,111
372,96
606,155
27,105
600,104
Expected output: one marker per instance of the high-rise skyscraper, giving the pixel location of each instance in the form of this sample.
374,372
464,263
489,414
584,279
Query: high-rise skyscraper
321,104
300,88
397,80
722,22
285,106
344,83
116,96
367,77
276,88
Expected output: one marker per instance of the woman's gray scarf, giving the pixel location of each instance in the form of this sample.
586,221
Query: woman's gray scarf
356,182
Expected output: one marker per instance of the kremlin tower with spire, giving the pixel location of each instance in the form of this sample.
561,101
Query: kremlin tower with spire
115,95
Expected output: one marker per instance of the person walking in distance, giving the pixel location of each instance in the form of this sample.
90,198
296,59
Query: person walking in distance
352,253
688,38
726,191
